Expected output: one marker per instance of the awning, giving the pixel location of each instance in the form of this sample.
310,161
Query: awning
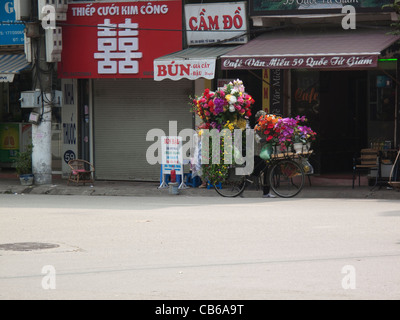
192,63
313,49
10,64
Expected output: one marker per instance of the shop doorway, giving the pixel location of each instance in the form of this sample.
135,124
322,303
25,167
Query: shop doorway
15,131
84,119
336,105
343,118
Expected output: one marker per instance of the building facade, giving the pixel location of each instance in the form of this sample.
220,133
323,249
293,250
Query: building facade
107,71
335,64
128,67
343,80
15,77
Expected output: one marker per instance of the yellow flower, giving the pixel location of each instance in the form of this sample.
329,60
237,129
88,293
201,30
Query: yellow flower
241,124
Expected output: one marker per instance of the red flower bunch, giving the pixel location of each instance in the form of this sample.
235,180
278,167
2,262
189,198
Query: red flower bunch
266,126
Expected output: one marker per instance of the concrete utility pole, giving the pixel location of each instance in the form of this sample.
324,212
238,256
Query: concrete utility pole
41,140
41,132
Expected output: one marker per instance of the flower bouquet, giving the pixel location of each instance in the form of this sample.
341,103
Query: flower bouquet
229,103
229,108
267,128
284,132
305,134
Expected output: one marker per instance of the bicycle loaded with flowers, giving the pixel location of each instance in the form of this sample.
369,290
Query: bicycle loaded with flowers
284,134
230,107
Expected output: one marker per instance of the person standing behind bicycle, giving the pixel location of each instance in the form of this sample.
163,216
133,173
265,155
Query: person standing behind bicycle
259,164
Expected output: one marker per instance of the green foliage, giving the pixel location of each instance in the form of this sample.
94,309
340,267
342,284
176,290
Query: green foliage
215,173
396,25
395,6
23,164
217,169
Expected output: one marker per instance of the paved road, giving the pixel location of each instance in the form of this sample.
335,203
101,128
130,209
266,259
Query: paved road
199,248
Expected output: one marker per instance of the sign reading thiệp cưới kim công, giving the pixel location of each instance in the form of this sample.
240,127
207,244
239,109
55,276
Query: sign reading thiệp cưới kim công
119,39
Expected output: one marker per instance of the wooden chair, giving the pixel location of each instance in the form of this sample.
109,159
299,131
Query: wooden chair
368,160
82,171
394,174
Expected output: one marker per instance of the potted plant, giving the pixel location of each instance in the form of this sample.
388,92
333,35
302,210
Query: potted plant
23,166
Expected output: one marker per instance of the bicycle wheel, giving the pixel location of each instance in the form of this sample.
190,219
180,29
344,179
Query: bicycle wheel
286,178
232,187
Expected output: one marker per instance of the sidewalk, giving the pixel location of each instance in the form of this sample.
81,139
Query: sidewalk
334,186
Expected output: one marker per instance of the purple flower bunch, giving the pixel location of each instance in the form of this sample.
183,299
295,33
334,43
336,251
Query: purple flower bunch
290,131
306,134
218,105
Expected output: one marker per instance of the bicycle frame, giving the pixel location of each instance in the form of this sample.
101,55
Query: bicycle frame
285,176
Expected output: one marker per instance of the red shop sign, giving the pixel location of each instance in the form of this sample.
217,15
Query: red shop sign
119,40
306,62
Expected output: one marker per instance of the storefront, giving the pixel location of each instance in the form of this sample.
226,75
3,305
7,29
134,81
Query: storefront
107,64
343,81
15,76
212,30
197,65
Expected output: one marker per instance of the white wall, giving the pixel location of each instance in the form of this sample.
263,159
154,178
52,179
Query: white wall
69,124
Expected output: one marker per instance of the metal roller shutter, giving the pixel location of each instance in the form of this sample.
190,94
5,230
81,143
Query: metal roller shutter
124,111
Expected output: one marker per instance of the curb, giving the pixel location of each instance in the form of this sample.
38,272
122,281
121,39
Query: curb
150,189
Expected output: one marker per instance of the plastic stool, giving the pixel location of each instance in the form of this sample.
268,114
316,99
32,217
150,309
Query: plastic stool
209,185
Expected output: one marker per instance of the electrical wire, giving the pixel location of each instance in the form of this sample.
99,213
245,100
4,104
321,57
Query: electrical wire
40,71
64,24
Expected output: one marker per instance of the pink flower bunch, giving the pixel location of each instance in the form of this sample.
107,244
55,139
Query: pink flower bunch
228,103
291,131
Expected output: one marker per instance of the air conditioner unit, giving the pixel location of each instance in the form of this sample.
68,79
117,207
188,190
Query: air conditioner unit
61,10
53,44
43,3
31,99
22,9
60,6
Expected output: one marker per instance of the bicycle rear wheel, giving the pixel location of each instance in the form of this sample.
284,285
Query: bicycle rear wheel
232,187
286,178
